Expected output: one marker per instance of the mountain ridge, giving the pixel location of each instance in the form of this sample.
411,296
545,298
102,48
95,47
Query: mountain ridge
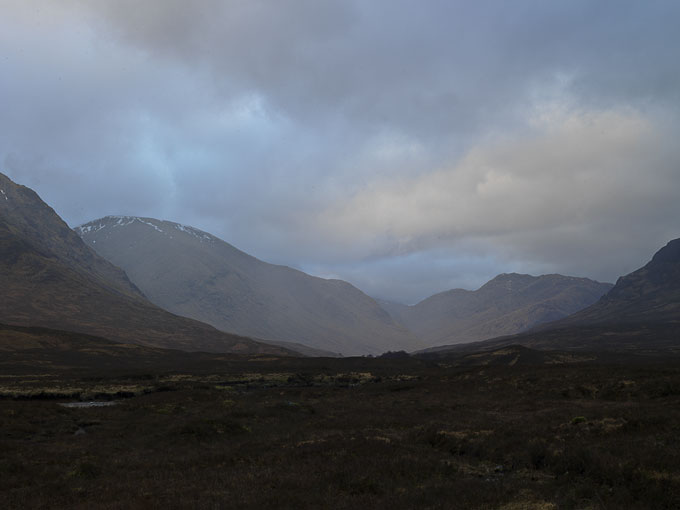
640,313
506,304
51,279
195,274
650,293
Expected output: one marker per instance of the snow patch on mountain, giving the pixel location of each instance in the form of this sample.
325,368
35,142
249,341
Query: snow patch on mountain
200,235
89,229
155,227
122,221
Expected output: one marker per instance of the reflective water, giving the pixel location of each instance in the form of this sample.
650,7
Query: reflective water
89,404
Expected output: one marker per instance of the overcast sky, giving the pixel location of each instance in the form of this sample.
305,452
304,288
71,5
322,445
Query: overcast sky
408,147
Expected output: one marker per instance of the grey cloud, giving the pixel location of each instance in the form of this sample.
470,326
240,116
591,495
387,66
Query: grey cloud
584,195
409,278
268,122
448,67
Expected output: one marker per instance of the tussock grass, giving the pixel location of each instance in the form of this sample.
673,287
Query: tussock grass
348,434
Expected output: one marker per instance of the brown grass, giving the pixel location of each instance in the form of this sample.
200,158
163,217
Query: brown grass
348,434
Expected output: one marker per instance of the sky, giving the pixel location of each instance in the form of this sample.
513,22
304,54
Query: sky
406,146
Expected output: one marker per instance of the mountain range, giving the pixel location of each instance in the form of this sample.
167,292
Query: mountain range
161,284
641,313
196,274
50,278
509,303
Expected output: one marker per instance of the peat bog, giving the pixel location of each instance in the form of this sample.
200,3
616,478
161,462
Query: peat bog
346,433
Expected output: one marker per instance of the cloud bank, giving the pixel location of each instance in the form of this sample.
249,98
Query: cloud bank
408,148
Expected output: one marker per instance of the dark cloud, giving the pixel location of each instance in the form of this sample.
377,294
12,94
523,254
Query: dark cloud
404,146
440,69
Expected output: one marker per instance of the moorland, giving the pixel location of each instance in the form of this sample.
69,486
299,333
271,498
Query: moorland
511,429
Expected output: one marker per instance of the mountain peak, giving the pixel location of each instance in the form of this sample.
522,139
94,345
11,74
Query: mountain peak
662,272
168,228
507,279
195,274
507,304
649,294
50,278
669,254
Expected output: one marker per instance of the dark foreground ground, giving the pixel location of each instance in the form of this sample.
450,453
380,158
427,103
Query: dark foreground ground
536,433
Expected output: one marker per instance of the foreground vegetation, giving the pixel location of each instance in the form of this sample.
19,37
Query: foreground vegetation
346,433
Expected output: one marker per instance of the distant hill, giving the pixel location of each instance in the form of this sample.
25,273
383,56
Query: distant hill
50,278
508,304
641,313
192,273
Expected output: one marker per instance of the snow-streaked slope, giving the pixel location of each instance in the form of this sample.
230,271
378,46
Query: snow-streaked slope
50,278
195,274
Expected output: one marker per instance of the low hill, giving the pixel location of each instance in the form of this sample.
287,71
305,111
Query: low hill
31,350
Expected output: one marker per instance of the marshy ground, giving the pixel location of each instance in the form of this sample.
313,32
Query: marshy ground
345,433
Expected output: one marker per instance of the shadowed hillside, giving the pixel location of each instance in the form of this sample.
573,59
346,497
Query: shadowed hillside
50,278
641,313
650,294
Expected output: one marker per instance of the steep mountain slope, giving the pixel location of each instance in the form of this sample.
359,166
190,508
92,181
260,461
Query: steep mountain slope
650,294
50,278
28,224
508,304
641,313
195,274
